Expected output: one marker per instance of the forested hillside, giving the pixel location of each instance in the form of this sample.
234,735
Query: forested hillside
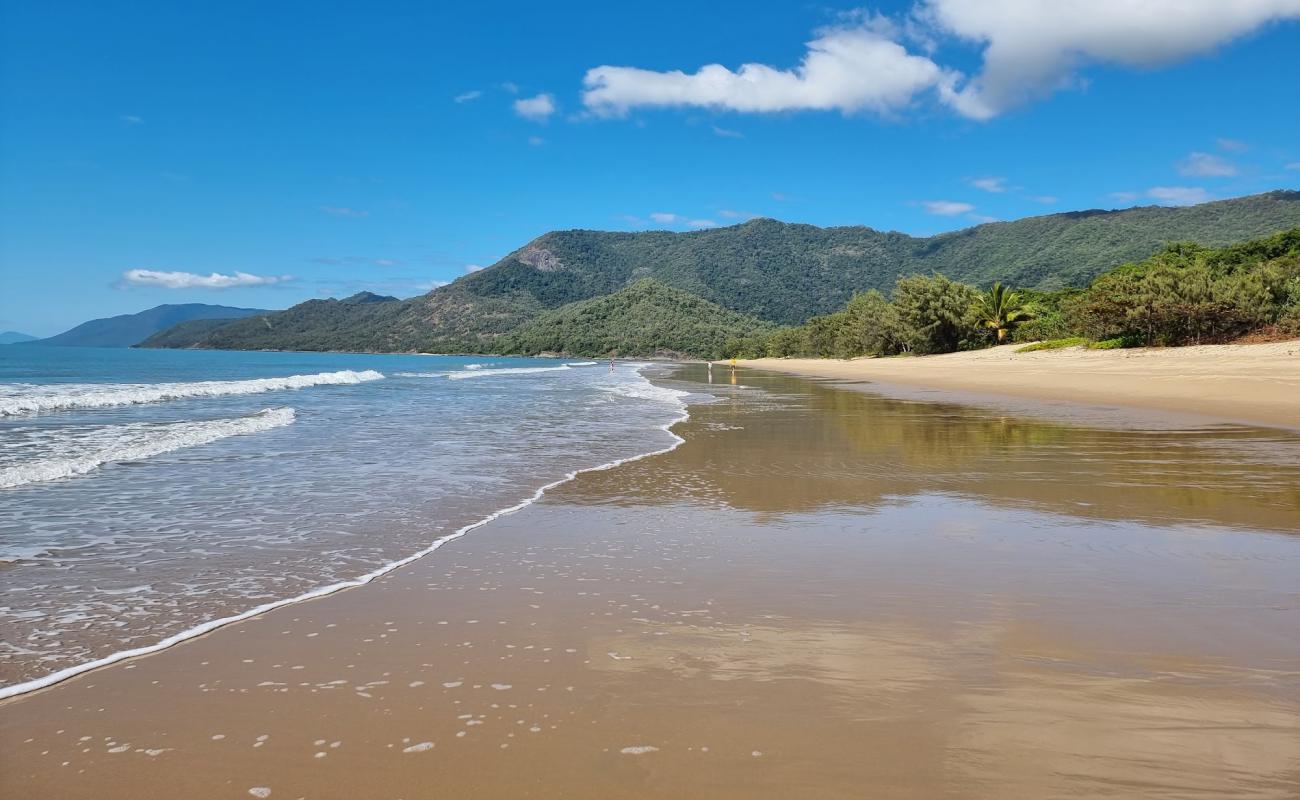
773,271
647,318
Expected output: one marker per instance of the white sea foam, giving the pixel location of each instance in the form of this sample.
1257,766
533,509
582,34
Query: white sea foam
18,399
13,690
136,442
646,391
461,375
483,371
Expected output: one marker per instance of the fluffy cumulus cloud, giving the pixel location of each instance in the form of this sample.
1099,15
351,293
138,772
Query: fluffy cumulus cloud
1205,164
1029,49
538,108
191,280
946,208
1032,48
846,69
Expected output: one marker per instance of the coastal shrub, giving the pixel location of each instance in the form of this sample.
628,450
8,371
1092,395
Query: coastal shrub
1054,344
937,315
1111,344
871,327
1189,294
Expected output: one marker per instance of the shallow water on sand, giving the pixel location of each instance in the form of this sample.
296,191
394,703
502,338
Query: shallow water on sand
145,494
822,593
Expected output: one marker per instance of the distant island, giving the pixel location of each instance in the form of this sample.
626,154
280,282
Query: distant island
729,291
14,337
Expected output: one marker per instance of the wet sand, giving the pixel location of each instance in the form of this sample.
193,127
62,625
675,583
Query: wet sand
1252,383
822,593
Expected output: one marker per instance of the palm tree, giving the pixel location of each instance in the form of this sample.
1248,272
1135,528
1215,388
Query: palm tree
1001,310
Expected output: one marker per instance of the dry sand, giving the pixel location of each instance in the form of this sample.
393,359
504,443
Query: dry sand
1255,383
821,594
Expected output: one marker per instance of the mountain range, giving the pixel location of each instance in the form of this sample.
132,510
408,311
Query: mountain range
759,273
14,337
126,330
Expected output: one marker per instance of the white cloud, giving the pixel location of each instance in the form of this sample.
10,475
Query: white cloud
510,86
537,108
536,141
190,280
473,268
1124,197
1294,165
946,208
132,119
846,69
664,218
995,185
465,97
1034,47
386,262
1030,49
1232,145
730,213
701,223
1179,195
1045,199
727,133
1205,164
341,211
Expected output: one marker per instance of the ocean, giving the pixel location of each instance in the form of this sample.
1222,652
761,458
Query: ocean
147,496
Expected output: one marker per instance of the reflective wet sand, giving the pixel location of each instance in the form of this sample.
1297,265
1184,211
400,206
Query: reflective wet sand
821,594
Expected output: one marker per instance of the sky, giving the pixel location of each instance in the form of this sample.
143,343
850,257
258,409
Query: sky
259,154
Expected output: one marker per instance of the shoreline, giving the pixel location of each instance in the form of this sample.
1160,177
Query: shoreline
742,616
17,690
1256,384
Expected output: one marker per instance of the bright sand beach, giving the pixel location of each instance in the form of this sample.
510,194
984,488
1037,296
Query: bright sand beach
1256,383
822,593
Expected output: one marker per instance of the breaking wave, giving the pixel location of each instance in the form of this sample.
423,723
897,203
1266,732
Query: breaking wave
138,441
16,399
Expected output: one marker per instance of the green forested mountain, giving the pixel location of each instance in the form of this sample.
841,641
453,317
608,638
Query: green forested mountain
648,318
126,330
777,272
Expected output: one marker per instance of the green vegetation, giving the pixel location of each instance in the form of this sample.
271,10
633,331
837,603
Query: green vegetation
1054,344
1187,294
645,319
1191,294
826,281
1001,311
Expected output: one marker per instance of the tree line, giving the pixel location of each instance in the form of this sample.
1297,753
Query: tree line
1185,294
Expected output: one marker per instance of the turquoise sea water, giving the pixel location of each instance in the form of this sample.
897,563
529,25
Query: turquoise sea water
145,493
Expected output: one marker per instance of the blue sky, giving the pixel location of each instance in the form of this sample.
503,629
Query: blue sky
260,154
